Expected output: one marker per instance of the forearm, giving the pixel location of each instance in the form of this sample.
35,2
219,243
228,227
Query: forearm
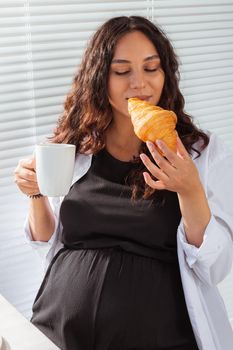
196,215
41,219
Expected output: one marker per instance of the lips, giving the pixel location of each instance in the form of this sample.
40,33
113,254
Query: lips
141,97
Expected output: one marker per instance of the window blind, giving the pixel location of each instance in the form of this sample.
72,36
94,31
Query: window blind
41,43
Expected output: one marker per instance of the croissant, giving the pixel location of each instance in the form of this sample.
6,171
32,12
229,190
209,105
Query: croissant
151,122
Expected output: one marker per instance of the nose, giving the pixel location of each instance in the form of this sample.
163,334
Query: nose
137,80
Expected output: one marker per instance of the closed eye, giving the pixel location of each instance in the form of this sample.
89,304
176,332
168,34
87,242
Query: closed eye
126,72
122,73
151,70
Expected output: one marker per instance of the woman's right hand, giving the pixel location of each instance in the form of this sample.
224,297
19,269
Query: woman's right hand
25,176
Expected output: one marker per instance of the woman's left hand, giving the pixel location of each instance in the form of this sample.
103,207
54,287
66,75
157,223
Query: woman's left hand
177,173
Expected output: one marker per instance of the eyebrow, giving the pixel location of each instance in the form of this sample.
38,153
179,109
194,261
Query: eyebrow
126,61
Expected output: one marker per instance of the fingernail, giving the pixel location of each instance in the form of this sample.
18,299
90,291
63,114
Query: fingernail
150,144
159,143
143,156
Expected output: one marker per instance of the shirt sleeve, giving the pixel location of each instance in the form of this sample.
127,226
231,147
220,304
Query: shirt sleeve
212,261
47,250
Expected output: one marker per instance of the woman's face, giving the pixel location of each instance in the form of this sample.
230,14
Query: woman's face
134,72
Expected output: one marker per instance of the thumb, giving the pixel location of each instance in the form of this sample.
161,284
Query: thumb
31,162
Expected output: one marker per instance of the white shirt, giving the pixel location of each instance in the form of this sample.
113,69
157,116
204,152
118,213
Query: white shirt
201,268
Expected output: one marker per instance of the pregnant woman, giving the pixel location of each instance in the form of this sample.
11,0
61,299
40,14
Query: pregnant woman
137,247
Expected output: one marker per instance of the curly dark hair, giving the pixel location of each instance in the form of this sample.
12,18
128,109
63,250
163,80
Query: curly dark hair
88,113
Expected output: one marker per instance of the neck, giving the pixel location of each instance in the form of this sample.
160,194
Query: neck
123,138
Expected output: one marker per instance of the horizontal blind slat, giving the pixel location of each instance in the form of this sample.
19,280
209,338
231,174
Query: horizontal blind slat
191,3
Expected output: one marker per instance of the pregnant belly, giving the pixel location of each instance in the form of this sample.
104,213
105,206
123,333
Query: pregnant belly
88,294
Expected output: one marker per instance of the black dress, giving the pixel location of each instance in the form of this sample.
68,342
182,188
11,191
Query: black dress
116,283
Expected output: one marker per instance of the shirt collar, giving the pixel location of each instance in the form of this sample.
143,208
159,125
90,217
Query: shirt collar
81,166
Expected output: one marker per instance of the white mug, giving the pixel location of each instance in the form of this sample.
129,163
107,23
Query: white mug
54,168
